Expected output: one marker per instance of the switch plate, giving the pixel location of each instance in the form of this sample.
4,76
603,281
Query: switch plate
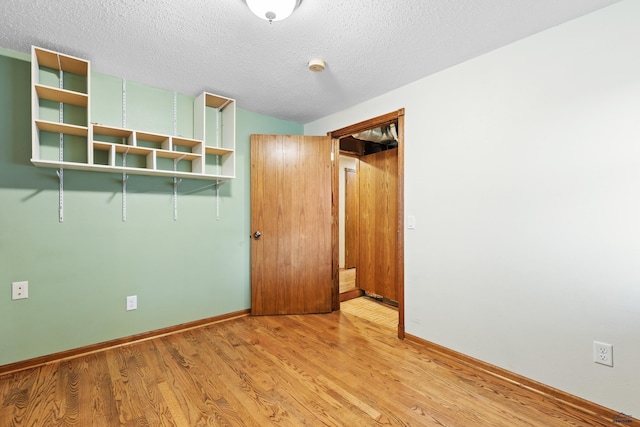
603,353
20,290
411,222
132,302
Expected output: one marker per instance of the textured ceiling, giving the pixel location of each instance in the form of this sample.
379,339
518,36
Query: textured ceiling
370,46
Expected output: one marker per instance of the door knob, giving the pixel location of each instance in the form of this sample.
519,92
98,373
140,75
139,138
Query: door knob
257,235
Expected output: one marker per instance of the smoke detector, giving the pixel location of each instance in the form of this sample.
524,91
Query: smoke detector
316,65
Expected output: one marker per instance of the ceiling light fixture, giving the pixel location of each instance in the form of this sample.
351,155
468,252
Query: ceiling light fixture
273,10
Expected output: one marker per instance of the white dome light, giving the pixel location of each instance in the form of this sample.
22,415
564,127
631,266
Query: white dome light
273,10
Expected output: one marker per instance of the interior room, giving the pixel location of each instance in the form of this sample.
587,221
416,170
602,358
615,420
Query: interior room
461,251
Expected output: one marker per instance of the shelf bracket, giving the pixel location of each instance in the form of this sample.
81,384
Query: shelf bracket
218,140
60,172
217,201
125,178
124,103
176,182
175,113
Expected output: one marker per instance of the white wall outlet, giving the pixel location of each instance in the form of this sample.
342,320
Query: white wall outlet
132,302
603,353
20,290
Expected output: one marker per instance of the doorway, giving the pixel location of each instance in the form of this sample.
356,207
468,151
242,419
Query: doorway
378,146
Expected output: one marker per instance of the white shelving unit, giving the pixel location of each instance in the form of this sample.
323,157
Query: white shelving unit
62,82
218,151
147,150
59,107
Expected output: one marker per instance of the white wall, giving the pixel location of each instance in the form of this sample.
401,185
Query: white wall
523,172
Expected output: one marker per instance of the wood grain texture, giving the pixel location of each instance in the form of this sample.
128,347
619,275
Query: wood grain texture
291,205
343,368
335,232
351,222
378,212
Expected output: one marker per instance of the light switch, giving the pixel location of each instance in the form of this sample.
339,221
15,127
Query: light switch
411,222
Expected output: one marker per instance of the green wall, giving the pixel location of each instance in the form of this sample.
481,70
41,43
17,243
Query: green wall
81,270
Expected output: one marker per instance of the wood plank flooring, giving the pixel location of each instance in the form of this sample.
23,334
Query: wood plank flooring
341,369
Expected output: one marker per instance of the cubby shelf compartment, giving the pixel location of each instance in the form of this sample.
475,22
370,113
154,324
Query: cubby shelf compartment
61,106
59,101
154,146
215,151
214,122
61,62
185,142
111,131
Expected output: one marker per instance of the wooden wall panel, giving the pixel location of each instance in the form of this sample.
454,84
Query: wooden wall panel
351,235
378,182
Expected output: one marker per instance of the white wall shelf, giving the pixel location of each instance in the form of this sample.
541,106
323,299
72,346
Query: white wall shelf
59,105
219,140
62,95
64,128
210,155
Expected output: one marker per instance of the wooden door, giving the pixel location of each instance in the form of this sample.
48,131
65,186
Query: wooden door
377,266
351,219
291,208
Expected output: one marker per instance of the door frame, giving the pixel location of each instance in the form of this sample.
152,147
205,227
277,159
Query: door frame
336,135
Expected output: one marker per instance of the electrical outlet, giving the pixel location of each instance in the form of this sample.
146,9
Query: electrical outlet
132,302
20,290
603,353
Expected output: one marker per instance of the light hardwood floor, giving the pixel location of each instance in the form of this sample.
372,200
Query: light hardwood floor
341,369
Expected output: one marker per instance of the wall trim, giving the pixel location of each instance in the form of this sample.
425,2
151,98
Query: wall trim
354,293
119,342
608,415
